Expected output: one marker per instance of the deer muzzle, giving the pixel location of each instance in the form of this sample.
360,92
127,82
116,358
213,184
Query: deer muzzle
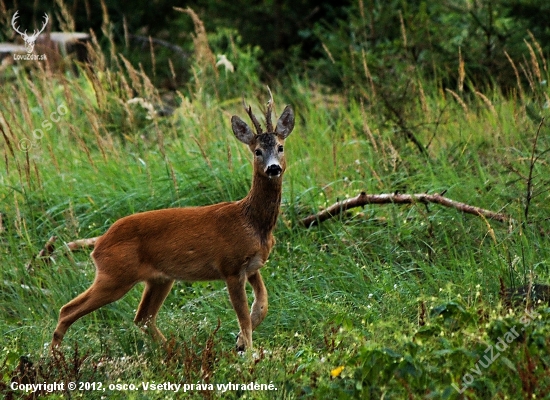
273,170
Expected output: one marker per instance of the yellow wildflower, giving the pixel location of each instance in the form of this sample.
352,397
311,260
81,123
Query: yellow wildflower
336,371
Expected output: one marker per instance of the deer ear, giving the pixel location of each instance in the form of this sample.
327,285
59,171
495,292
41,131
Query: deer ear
241,130
285,124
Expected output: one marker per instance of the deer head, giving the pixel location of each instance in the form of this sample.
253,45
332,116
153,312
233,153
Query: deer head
267,146
29,40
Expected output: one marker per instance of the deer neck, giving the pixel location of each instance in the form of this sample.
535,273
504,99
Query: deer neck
261,205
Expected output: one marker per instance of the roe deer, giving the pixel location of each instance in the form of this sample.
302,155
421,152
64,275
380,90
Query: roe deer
229,241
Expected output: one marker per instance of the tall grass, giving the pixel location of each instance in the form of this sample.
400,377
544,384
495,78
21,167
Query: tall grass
405,298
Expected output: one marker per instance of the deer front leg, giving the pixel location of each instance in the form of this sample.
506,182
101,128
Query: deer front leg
259,307
237,295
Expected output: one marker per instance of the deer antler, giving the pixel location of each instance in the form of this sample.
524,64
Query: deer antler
253,118
24,34
46,20
268,112
15,16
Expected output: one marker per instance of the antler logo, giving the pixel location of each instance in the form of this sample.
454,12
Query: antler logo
29,40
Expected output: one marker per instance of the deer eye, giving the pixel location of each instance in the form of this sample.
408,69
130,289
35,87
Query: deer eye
280,149
258,152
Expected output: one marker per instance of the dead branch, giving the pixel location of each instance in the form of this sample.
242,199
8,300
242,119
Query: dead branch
43,255
82,244
532,162
46,254
398,198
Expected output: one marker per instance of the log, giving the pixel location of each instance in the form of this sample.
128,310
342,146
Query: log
8,49
66,43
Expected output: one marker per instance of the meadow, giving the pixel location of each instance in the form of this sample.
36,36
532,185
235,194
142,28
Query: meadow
383,301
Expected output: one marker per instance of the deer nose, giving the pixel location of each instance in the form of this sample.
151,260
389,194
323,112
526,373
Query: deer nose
273,170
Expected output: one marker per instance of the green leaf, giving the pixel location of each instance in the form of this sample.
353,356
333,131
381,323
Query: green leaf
508,363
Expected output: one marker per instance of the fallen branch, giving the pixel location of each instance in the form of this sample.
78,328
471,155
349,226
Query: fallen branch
44,255
397,198
82,244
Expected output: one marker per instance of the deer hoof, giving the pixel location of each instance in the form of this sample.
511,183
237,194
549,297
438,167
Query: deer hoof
241,345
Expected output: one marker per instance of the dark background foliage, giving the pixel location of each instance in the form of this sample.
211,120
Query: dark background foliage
326,39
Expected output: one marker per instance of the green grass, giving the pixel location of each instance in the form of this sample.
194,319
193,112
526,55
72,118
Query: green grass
349,293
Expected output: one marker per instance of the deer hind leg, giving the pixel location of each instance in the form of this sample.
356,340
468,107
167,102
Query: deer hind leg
237,295
259,307
153,296
104,290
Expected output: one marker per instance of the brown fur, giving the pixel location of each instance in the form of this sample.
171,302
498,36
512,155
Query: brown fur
229,241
